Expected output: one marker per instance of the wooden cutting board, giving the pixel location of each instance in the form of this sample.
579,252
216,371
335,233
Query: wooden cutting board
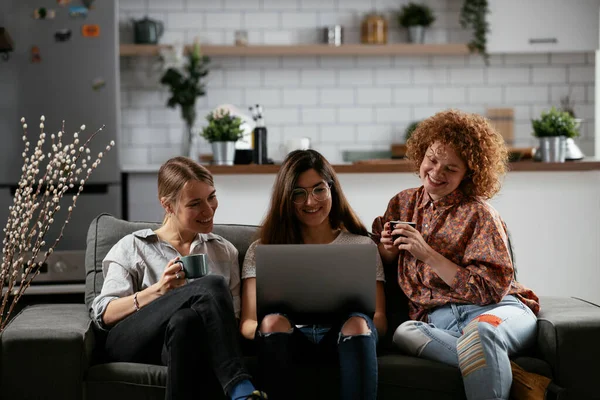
503,119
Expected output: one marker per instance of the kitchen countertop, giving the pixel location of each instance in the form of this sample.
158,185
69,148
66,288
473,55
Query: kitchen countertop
375,166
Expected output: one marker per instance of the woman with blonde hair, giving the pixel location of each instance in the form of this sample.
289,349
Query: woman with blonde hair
155,315
309,207
455,265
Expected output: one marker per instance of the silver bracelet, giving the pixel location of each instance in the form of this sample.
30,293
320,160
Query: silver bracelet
136,305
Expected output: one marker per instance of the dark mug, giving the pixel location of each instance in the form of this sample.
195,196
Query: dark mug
393,226
194,265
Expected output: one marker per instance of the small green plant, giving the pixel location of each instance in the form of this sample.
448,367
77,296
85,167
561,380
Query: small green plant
410,129
473,16
555,123
222,127
414,14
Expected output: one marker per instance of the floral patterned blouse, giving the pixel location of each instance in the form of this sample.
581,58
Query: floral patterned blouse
465,230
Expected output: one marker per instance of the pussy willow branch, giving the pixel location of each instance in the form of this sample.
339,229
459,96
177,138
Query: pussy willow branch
35,269
61,174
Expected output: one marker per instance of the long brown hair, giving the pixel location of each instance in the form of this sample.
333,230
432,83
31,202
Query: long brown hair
281,226
174,174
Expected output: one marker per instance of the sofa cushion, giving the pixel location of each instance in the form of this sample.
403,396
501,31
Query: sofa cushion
106,230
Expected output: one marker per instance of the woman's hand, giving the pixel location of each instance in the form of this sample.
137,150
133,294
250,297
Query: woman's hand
411,240
172,277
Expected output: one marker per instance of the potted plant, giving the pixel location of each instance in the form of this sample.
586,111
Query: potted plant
184,77
473,16
553,128
222,132
416,17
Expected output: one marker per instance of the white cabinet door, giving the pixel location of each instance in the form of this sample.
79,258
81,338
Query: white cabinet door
532,26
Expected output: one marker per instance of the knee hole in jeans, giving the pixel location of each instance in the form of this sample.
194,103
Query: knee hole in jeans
275,323
355,326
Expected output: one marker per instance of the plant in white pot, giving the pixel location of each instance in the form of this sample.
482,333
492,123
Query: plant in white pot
553,128
416,17
222,131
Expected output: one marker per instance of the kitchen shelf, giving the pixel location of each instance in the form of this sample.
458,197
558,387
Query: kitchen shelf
310,50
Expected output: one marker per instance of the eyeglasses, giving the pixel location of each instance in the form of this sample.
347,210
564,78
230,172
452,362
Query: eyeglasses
319,193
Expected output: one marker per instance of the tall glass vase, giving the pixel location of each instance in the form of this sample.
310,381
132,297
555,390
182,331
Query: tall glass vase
188,114
186,140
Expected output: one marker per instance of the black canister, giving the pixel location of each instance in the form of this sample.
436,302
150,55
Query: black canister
259,144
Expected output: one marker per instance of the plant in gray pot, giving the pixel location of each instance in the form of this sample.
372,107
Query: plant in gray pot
222,132
553,128
416,17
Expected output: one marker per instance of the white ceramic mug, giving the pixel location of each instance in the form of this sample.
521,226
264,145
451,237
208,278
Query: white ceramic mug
302,143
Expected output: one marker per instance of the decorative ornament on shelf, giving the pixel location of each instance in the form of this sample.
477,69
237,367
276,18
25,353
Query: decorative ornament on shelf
48,175
184,77
222,132
473,15
416,17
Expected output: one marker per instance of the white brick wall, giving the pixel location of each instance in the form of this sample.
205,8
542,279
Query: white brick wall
342,103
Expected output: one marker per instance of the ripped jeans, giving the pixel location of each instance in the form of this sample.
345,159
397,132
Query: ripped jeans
476,339
281,353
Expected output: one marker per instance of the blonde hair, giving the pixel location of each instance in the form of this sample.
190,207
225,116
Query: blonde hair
174,174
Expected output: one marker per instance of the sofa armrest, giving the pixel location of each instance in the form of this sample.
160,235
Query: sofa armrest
568,332
46,349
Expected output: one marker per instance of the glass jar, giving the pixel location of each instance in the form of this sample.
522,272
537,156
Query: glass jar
241,38
374,29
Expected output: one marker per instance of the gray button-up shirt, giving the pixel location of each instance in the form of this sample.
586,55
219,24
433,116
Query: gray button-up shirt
138,260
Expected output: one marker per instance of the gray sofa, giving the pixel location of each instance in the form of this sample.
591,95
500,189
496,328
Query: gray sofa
54,352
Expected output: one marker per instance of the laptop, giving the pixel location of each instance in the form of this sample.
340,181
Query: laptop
315,283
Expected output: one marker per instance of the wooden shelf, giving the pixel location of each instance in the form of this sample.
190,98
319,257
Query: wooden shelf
310,50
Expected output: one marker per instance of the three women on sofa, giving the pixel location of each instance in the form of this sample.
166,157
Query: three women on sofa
455,266
309,207
155,315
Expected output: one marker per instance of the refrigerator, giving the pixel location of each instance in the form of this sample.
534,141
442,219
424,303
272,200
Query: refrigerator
65,66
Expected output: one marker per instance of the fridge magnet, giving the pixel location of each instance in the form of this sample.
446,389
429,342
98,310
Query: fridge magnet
90,30
78,12
98,83
63,3
43,13
35,54
88,3
62,35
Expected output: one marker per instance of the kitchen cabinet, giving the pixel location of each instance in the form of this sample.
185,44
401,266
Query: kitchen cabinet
545,26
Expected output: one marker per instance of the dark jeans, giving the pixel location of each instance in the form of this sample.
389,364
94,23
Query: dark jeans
280,355
192,330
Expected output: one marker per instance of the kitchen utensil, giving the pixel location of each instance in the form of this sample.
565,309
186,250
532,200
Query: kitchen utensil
147,31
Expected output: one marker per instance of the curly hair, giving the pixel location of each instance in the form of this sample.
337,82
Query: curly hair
475,141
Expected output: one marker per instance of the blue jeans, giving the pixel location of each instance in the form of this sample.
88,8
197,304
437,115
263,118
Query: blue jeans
476,339
281,353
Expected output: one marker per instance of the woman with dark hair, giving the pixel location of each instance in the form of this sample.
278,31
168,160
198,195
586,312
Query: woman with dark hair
465,305
155,315
309,207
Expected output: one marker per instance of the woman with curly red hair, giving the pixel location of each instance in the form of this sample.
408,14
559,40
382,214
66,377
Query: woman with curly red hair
455,266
